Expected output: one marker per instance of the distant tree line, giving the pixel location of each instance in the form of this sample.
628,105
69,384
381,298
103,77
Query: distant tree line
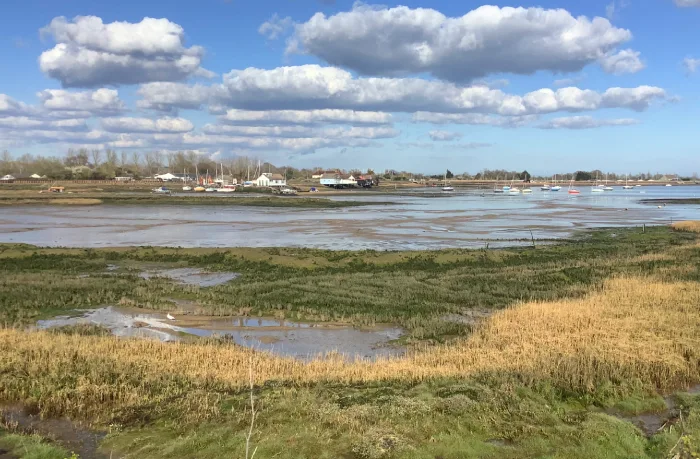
106,164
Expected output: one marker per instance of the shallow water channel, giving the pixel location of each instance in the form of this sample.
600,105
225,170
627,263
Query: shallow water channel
301,340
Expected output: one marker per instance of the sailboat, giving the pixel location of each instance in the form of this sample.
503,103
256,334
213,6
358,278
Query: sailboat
495,187
546,187
512,190
506,187
597,188
607,187
627,185
446,187
573,190
555,187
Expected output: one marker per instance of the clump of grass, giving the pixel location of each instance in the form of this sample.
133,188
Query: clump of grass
688,226
82,330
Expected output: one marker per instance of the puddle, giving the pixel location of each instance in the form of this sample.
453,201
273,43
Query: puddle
282,337
190,276
82,441
652,423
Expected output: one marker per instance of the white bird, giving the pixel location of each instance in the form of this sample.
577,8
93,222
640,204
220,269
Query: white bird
170,317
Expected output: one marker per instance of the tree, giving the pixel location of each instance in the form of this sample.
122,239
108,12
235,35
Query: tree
449,174
525,176
96,157
581,176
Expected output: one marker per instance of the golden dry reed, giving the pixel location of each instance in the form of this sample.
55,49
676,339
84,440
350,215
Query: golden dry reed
688,226
634,328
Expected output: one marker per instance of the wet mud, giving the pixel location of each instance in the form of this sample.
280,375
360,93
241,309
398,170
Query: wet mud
72,436
464,219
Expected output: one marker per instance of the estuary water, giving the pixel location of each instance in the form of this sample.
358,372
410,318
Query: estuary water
417,220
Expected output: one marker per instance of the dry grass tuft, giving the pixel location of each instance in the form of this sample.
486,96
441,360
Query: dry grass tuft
687,226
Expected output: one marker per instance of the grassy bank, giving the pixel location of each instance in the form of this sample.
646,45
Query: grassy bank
585,335
178,200
541,379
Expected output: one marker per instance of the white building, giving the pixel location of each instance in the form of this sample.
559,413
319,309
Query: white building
268,180
166,177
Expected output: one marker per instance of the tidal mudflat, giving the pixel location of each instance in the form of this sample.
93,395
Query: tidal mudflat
468,219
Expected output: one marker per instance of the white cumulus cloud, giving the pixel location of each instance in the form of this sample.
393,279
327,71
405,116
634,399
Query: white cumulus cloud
691,65
585,122
326,116
102,102
147,125
89,53
275,26
625,61
444,135
396,41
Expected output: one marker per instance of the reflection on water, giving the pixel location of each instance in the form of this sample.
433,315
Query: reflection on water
462,219
283,337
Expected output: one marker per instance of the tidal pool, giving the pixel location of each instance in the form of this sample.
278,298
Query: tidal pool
191,276
283,337
414,221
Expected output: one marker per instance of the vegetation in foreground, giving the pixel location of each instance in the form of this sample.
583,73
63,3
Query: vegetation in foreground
537,380
29,446
689,226
592,332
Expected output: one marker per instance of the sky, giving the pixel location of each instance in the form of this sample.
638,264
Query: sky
421,86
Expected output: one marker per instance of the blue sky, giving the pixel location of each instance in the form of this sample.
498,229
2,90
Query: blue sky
412,85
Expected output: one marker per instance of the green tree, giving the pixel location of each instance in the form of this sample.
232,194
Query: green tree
449,174
525,176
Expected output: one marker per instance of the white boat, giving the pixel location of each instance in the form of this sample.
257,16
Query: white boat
210,189
527,190
607,187
161,190
555,187
627,185
186,188
668,184
506,188
496,189
227,189
598,187
447,187
514,191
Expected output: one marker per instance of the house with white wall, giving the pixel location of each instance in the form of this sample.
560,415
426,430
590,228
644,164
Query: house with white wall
270,180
